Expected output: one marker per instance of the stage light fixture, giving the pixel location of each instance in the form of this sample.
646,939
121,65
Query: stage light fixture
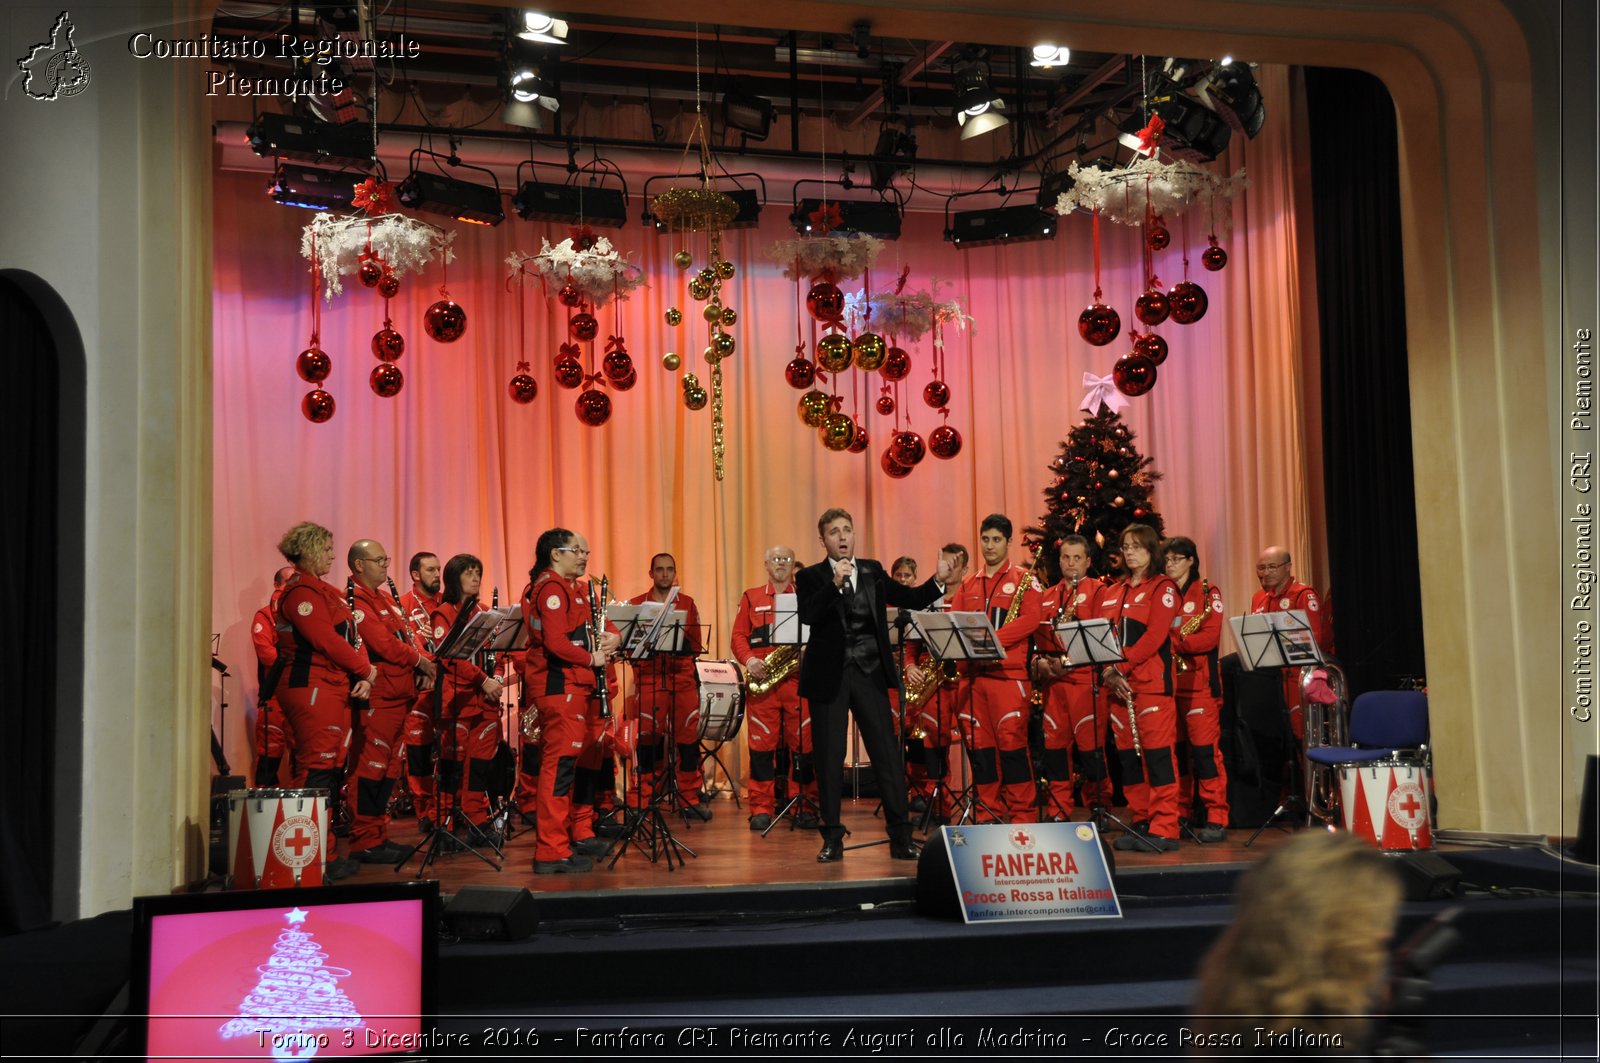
895,153
606,207
313,187
1231,91
873,217
461,200
1051,187
1000,225
542,28
1193,133
1047,56
308,140
978,106
750,114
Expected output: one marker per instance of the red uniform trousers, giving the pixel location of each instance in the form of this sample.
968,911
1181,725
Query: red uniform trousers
996,718
318,716
678,697
273,740
778,718
565,718
377,766
1201,716
1061,735
1150,777
473,738
419,735
937,718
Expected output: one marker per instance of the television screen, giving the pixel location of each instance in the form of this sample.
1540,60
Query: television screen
286,974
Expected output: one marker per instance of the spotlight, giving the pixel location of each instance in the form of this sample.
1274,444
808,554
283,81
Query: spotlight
550,202
1193,133
1047,56
1051,188
748,113
1000,225
313,187
308,140
978,107
1231,91
873,217
461,200
895,153
542,28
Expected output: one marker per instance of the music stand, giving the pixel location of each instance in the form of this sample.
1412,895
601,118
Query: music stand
1275,641
953,636
1094,643
787,630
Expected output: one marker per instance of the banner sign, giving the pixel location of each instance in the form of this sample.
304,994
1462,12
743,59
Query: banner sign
1030,871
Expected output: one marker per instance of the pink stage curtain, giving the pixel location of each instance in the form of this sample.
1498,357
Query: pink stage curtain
453,465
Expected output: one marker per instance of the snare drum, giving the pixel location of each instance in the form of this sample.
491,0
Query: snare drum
277,838
1388,802
721,708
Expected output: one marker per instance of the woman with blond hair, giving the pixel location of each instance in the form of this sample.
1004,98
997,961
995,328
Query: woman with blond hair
1303,967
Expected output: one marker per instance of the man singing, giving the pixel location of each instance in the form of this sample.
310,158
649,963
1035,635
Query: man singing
848,668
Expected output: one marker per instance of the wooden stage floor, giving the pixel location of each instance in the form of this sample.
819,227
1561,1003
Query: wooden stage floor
729,854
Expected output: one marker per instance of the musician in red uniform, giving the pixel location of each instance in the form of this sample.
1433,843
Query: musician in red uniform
393,648
1197,683
995,695
935,716
271,734
419,603
560,671
668,688
1280,593
469,709
323,667
1069,717
904,572
778,717
1141,609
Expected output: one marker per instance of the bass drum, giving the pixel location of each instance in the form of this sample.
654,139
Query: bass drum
721,700
277,838
1388,803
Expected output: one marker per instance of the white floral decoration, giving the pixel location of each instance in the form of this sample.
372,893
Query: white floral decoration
339,240
836,258
906,315
599,273
1165,188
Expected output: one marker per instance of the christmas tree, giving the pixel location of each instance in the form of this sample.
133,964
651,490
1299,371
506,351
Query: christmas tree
295,995
1100,484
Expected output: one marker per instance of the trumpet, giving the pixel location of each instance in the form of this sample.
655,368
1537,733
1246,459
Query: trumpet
781,664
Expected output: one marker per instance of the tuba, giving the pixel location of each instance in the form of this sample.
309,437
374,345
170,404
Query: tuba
781,664
1326,725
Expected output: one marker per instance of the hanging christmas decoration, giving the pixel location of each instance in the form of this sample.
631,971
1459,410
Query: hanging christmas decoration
1134,374
1128,195
813,408
670,362
944,442
800,374
583,326
1213,258
1151,308
370,272
825,260
523,387
568,369
1098,323
313,364
1188,301
386,380
936,393
896,365
388,344
594,407
582,269
886,405
1151,346
694,396
343,244
825,302
892,467
835,352
907,448
869,351
317,406
838,431
1101,391
859,444
907,315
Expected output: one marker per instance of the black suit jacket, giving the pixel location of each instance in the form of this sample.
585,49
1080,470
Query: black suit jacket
821,605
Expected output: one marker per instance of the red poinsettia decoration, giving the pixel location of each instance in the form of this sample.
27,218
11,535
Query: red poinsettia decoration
374,196
1150,135
826,218
582,238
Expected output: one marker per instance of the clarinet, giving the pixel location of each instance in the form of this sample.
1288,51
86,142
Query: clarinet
488,654
405,618
597,630
351,633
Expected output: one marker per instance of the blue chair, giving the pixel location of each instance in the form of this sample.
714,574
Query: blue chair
1383,723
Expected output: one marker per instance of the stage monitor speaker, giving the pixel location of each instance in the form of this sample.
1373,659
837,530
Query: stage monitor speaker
491,913
1585,848
1427,876
936,883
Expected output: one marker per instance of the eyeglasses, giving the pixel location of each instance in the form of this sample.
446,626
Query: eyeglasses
374,560
1271,568
782,560
579,550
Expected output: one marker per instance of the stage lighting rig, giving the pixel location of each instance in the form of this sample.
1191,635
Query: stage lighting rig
1010,224
313,187
978,106
896,152
748,113
439,194
872,217
1231,91
310,140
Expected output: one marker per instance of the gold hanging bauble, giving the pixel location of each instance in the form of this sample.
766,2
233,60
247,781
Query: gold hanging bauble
699,289
870,351
711,356
725,269
683,259
813,408
670,362
723,344
695,398
674,317
708,276
730,316
712,313
838,431
834,352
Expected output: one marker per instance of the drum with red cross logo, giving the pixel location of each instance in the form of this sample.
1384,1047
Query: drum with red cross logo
277,838
1388,802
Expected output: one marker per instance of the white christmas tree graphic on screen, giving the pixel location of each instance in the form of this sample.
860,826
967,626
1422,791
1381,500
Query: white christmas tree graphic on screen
297,1003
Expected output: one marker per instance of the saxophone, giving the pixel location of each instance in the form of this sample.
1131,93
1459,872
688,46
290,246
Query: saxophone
781,664
1182,662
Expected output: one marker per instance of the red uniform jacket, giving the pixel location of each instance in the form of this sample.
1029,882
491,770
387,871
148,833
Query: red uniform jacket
679,667
1052,606
387,638
264,634
558,659
752,627
1142,618
419,609
1202,676
460,682
979,593
316,637
1296,596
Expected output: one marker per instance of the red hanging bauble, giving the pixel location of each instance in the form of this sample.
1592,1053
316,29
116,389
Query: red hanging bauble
834,352
594,407
1158,237
583,327
313,365
1213,258
388,286
1152,347
1099,324
569,371
569,295
617,365
870,351
800,374
1188,301
387,380
370,273
1151,308
936,394
892,467
896,364
523,388
626,382
445,321
825,302
886,405
388,344
1134,374
907,448
944,442
317,406
859,443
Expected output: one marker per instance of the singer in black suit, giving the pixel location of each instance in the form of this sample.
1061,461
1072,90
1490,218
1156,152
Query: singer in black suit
848,667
